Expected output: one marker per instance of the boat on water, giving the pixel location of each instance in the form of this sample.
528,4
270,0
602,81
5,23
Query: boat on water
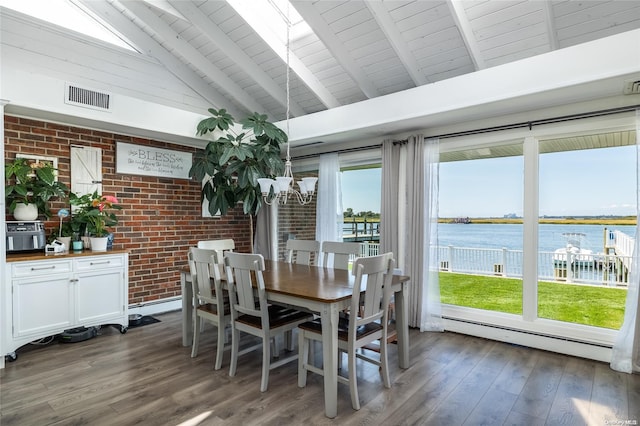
574,252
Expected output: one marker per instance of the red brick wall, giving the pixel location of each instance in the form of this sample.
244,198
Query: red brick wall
296,219
161,217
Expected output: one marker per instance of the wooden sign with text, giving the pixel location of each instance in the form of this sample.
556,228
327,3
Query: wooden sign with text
150,161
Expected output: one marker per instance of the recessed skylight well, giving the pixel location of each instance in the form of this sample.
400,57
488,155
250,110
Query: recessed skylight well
65,14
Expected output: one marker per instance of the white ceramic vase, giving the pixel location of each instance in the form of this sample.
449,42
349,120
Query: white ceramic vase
98,243
24,212
66,241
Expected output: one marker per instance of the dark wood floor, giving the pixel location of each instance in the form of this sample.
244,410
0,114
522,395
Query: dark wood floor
146,377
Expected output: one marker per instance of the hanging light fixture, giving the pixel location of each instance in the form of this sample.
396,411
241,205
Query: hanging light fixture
283,186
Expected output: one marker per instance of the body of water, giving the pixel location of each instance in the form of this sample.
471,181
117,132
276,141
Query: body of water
497,236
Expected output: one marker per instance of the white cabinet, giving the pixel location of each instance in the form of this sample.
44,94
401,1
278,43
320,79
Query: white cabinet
44,297
101,293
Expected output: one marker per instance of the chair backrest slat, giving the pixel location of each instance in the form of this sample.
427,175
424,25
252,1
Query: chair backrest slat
221,247
304,251
341,252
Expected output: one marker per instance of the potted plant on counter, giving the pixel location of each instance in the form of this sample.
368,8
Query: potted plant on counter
29,187
93,211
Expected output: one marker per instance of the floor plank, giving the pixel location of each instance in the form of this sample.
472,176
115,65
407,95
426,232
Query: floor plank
146,377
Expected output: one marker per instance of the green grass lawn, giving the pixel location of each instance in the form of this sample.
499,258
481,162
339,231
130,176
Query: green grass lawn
581,304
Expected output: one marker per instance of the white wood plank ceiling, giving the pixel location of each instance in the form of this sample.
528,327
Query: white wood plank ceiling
356,50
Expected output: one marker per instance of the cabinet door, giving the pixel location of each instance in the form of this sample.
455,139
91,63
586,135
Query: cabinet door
100,296
42,305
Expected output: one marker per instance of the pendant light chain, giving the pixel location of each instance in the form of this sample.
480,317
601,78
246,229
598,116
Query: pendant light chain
278,191
288,81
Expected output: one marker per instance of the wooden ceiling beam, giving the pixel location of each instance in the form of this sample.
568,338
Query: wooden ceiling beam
191,54
336,47
388,27
129,31
464,26
234,52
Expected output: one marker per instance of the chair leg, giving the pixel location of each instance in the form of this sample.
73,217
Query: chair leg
303,356
220,351
235,343
384,364
196,338
353,383
311,348
288,335
266,362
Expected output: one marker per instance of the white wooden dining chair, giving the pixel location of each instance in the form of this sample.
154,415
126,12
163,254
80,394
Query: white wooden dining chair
303,252
356,330
341,252
259,319
209,302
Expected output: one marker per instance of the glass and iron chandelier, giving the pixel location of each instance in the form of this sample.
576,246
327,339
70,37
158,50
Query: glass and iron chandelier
281,189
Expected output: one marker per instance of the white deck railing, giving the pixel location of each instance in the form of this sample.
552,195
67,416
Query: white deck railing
598,269
623,243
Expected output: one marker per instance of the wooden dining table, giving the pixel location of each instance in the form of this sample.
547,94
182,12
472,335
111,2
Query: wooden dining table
325,291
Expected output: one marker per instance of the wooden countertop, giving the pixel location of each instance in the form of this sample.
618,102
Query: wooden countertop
41,255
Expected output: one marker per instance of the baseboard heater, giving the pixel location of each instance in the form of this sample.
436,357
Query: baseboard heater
154,302
527,332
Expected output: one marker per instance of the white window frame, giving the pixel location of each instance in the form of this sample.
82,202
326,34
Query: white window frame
528,329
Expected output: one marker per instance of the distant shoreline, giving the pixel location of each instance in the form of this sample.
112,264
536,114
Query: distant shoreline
551,221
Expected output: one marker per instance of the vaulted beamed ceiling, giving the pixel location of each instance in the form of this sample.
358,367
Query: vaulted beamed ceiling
356,50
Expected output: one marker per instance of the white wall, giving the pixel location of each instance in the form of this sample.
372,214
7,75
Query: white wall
3,242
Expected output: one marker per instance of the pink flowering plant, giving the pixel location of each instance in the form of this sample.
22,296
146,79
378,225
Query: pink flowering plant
94,211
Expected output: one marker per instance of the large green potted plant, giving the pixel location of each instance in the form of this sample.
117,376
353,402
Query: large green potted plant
231,164
31,184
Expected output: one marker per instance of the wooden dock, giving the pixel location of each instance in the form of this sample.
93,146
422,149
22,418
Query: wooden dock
361,230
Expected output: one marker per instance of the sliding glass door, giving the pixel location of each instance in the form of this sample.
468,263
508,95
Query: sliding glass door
586,228
536,231
480,228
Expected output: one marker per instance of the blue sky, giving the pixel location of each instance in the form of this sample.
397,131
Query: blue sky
361,190
586,182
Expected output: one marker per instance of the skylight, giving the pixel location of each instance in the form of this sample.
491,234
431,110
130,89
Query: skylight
269,19
65,14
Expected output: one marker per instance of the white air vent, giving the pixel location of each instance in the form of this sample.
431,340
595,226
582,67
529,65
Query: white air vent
632,87
88,98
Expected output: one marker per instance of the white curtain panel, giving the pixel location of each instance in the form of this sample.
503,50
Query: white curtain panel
265,241
626,350
329,213
390,229
409,223
431,309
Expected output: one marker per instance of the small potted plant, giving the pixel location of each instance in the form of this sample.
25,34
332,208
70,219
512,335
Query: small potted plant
29,187
93,213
